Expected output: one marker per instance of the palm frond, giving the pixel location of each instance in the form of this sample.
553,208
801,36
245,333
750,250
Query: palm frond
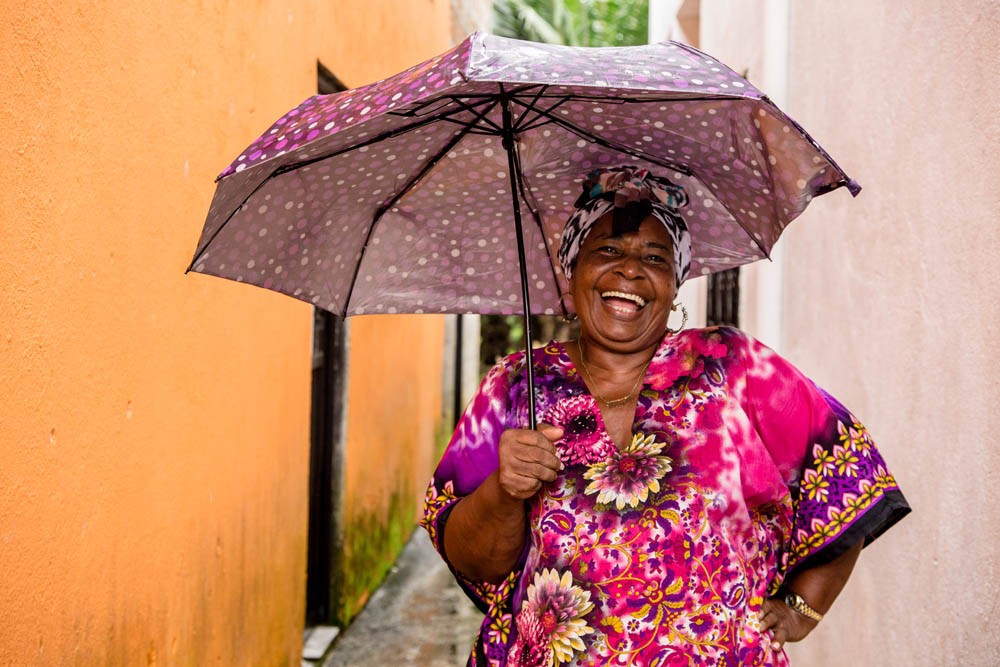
574,22
519,19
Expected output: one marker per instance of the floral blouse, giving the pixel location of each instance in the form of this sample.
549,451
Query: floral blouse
740,472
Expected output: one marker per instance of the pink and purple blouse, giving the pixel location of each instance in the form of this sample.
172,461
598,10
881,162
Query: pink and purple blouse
740,472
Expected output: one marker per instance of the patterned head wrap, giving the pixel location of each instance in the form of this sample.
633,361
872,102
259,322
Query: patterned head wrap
619,189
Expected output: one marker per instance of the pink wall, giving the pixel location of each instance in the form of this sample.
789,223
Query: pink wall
890,301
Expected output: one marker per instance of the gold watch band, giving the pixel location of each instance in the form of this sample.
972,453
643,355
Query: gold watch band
795,601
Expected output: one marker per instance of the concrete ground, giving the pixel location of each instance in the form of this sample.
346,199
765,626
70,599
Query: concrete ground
419,617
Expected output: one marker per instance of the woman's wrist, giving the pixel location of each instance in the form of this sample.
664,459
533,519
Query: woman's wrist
500,502
798,604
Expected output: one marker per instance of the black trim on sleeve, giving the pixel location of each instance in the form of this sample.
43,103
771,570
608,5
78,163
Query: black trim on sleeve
890,508
479,653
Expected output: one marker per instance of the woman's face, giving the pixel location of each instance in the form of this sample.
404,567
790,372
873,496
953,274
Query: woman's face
623,286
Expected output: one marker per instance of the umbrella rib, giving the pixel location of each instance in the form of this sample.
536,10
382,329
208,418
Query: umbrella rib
474,129
480,117
485,97
534,124
580,132
297,165
469,127
645,100
395,198
538,223
530,106
471,108
645,156
852,186
472,125
415,112
390,134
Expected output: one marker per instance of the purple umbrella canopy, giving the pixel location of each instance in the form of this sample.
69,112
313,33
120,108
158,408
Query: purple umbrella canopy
407,195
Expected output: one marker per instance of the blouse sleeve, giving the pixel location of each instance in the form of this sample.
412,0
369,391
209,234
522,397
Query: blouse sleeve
842,491
469,459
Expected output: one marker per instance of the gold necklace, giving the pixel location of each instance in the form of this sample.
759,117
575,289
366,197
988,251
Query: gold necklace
615,402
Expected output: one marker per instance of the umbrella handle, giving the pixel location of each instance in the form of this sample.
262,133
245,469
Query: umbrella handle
509,142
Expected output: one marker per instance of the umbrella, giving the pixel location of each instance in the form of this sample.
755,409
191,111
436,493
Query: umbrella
444,188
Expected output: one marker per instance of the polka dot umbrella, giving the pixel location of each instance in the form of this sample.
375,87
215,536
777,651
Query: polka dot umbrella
444,188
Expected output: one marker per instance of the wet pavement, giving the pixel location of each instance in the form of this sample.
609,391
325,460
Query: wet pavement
419,616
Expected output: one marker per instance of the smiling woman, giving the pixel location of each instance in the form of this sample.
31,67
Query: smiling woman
682,502
623,287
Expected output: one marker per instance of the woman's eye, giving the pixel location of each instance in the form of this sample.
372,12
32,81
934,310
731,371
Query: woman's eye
656,259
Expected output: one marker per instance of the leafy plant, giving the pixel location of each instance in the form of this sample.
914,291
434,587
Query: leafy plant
573,22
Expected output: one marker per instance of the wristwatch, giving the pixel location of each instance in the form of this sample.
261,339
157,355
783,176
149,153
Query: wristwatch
795,601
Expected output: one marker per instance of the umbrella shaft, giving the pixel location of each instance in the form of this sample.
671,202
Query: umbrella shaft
509,141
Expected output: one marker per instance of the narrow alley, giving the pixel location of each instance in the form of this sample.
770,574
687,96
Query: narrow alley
419,616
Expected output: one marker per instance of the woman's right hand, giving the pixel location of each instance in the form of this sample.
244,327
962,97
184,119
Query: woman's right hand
485,532
527,459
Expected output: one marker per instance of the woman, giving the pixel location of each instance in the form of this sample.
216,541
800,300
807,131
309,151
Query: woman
690,497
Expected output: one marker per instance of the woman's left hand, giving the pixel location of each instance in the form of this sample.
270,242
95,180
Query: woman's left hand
787,624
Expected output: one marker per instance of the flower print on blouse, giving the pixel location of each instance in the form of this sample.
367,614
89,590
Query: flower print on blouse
740,472
626,477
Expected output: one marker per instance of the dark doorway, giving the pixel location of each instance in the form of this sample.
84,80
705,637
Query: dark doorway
326,450
723,305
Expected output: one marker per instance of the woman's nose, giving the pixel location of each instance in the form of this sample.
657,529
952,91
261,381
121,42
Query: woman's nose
630,265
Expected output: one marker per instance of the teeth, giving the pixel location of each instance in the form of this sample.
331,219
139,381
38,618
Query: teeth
634,298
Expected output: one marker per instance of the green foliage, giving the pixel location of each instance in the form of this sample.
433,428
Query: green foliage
372,543
573,22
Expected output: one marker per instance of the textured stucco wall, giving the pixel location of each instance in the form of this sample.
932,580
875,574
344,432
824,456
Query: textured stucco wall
154,427
890,303
367,40
394,378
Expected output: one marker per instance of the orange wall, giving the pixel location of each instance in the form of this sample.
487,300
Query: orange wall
154,426
394,374
388,384
384,440
378,38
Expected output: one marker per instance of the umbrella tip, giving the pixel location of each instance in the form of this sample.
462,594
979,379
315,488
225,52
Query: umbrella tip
853,187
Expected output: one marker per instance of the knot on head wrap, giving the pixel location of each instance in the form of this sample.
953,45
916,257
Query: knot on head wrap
620,188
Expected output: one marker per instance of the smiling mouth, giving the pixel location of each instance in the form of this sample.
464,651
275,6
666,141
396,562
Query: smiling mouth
623,302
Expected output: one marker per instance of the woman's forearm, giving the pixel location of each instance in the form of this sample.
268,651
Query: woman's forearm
819,586
485,533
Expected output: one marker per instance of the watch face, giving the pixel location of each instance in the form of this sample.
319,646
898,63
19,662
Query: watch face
791,599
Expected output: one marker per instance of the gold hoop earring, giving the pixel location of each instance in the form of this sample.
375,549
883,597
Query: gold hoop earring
567,316
684,319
